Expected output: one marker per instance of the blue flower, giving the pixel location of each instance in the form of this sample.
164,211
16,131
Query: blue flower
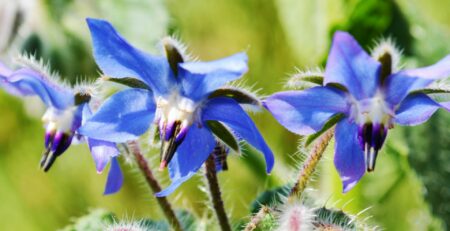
67,109
369,97
183,99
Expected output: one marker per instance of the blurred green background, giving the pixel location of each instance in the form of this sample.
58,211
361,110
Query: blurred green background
408,191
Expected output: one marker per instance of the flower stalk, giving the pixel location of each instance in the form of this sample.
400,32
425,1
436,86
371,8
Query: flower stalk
154,185
216,197
311,163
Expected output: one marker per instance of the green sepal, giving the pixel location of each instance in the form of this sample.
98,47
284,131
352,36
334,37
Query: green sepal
173,55
431,91
130,82
237,94
305,80
224,134
329,124
81,98
386,66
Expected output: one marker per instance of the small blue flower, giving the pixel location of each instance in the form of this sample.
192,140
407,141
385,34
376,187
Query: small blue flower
178,97
370,96
66,111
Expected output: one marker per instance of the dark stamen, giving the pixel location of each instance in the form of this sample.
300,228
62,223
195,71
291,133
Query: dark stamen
56,144
371,138
170,142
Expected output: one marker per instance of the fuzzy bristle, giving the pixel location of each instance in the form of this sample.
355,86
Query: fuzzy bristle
43,68
182,48
296,217
388,46
250,90
304,79
128,226
86,87
442,84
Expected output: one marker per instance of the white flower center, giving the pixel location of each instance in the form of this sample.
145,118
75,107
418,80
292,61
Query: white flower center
59,120
175,108
372,110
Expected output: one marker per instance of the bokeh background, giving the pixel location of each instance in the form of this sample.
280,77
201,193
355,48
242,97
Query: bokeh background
409,190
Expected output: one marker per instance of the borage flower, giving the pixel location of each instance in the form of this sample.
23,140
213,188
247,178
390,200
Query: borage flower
67,109
183,99
366,96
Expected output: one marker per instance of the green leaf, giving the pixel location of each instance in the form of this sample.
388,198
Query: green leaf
335,218
330,123
241,96
428,155
270,198
224,134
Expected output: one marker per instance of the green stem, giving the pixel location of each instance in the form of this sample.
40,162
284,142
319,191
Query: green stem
216,197
164,204
310,164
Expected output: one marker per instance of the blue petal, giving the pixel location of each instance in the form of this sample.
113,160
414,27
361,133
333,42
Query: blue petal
400,84
306,112
26,82
200,78
190,155
10,88
123,117
102,152
416,109
4,70
229,112
174,185
117,58
115,178
349,65
348,157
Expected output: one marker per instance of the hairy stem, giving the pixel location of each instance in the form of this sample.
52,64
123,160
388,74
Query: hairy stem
216,196
154,185
257,218
311,163
305,173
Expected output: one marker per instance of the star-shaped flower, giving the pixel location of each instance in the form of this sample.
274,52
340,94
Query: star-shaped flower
67,109
183,99
367,96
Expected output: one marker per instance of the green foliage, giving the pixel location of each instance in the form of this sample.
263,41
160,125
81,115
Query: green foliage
95,220
270,198
336,219
369,20
100,219
429,156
